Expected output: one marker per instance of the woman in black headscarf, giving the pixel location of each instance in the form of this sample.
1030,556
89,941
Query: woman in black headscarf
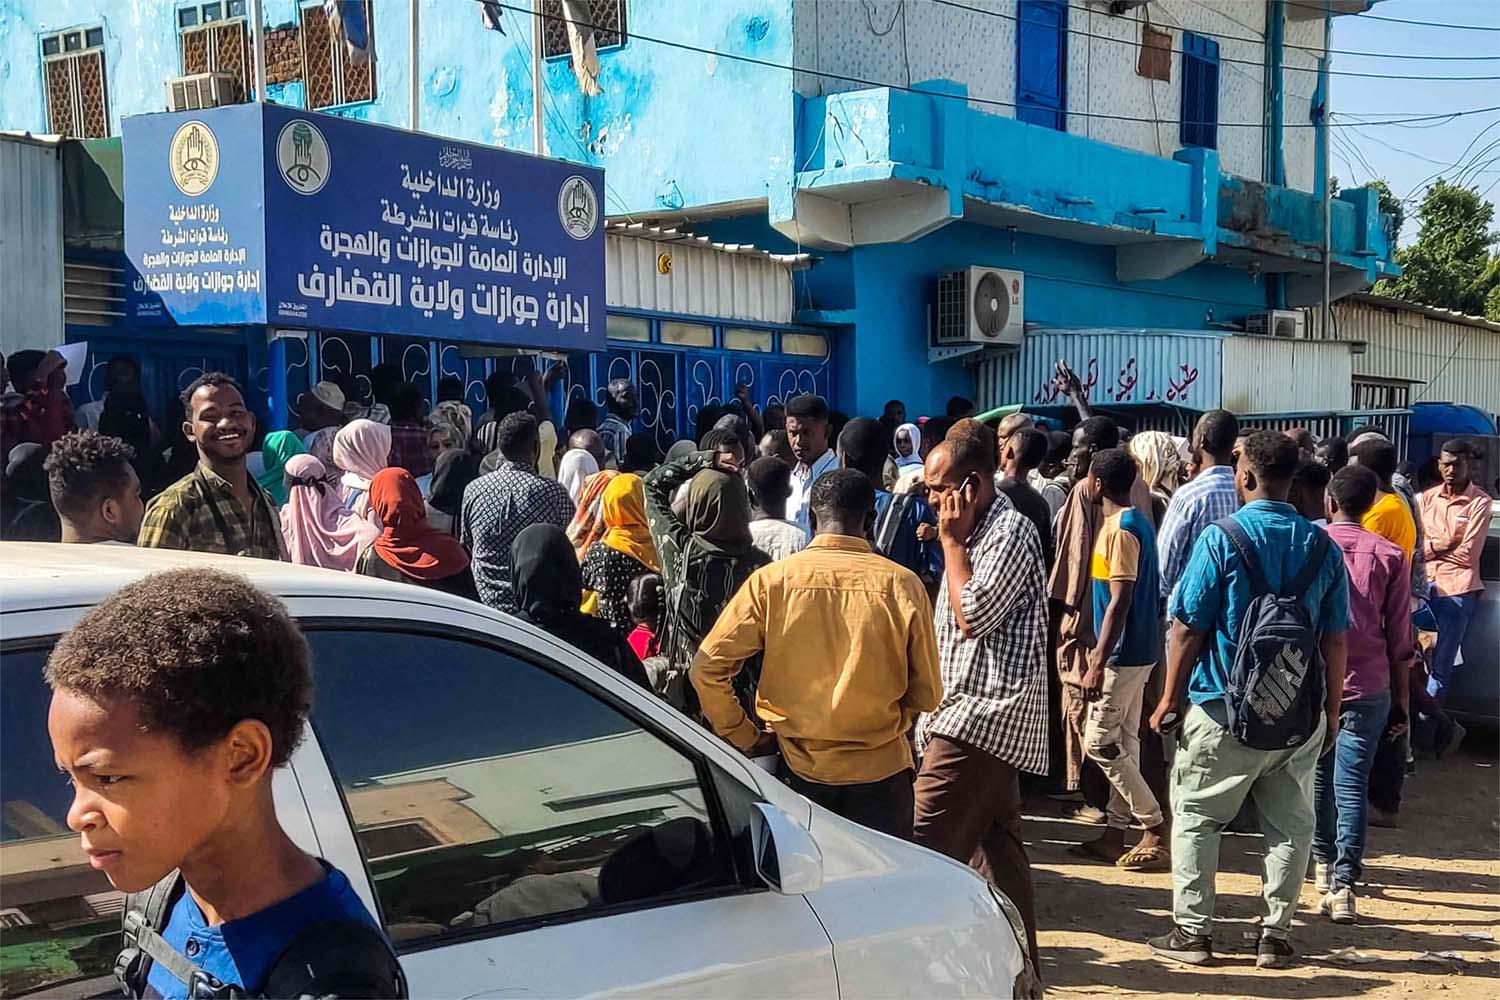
548,587
26,512
453,471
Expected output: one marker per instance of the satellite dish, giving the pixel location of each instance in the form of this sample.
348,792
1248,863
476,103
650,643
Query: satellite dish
991,305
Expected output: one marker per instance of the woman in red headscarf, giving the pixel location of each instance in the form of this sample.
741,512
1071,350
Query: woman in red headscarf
408,549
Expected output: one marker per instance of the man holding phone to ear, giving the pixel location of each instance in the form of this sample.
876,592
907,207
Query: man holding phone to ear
991,630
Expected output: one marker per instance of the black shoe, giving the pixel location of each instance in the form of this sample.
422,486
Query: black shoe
1180,946
1274,953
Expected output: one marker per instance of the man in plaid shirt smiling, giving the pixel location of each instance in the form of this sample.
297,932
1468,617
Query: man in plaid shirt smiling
991,625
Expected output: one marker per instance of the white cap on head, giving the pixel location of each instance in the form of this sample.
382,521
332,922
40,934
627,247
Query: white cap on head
330,395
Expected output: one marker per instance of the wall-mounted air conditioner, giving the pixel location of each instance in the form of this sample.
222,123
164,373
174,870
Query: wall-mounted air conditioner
981,305
202,90
1288,323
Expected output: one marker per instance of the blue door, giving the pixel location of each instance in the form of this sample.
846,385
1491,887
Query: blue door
1042,63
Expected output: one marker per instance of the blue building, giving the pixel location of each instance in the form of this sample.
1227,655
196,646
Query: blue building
1142,180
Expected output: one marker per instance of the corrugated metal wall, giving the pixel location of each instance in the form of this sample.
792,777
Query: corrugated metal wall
31,265
1459,363
1273,375
700,281
1117,366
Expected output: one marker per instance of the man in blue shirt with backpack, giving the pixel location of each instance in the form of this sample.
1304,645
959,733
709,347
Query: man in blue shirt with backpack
1257,646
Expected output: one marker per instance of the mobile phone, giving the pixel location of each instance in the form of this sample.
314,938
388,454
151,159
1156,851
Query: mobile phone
1171,722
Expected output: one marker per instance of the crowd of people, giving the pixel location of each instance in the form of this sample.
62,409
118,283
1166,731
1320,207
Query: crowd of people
1240,627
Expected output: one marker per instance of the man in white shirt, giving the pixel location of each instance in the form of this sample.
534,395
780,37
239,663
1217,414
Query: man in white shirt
807,432
770,481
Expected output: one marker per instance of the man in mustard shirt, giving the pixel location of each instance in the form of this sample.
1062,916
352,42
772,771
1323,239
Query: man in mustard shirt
1389,518
849,661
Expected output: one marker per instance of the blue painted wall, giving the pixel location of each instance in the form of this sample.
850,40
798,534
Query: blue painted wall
884,292
476,85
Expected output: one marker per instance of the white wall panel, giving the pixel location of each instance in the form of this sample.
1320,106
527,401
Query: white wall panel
31,266
701,281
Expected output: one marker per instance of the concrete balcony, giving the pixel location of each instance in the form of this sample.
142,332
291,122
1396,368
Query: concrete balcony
888,166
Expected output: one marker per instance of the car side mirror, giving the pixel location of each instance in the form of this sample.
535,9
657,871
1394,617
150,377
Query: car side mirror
786,856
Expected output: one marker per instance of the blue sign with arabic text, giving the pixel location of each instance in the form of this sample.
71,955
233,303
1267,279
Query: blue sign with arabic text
335,224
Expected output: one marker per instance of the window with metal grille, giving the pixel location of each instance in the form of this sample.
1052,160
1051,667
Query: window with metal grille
73,66
607,16
215,38
331,74
1200,91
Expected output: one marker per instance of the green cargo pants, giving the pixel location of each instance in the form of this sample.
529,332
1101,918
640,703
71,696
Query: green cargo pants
1211,775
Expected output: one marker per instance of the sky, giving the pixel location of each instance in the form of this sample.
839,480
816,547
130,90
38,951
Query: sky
1408,155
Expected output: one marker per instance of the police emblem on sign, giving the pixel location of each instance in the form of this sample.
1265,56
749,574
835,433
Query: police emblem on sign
194,158
302,157
578,207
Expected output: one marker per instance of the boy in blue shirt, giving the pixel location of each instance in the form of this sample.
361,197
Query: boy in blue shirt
1123,565
1213,772
173,702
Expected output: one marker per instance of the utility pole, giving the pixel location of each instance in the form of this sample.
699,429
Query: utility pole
414,111
538,125
1326,331
258,43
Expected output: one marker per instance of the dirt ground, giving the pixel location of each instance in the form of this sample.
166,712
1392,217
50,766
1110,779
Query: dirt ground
1426,885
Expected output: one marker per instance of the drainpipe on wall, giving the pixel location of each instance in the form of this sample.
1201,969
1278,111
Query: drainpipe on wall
258,42
1324,82
1273,159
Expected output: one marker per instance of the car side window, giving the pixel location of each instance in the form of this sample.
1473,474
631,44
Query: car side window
59,918
486,790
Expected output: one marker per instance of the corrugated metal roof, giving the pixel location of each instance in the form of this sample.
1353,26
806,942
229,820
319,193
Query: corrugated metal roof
643,231
31,265
1447,315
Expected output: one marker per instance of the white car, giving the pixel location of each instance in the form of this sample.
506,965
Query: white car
524,822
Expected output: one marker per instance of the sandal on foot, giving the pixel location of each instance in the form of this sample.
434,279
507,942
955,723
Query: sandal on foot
1145,859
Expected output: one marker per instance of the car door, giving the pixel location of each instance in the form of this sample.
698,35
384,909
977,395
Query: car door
528,831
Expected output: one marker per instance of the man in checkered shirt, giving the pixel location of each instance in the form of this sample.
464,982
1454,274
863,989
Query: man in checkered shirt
991,629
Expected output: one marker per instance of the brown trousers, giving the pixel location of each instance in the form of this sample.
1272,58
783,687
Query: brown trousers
968,806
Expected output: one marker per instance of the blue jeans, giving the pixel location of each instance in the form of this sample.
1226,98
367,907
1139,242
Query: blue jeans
1340,786
1453,617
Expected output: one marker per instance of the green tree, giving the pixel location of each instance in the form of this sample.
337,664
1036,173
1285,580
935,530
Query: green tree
1451,265
1390,205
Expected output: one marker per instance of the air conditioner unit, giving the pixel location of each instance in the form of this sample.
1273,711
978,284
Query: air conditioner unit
202,90
1288,323
981,305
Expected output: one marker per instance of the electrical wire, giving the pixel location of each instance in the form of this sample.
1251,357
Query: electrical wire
1322,8
959,5
989,102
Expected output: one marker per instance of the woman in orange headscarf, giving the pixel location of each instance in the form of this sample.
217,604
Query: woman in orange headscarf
409,549
623,552
587,526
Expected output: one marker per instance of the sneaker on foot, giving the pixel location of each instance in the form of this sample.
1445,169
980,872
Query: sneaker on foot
1087,814
1455,737
1322,878
1180,946
1274,953
1338,905
1377,816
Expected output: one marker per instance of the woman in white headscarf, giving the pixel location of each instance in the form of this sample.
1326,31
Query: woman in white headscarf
574,470
908,446
1155,452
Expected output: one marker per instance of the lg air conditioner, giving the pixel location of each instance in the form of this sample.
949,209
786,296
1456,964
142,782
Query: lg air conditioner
981,305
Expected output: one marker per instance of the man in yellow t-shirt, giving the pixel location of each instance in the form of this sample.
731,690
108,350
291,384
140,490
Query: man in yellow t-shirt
1389,518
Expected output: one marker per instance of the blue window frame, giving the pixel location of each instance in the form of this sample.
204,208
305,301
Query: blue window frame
1042,63
1200,91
